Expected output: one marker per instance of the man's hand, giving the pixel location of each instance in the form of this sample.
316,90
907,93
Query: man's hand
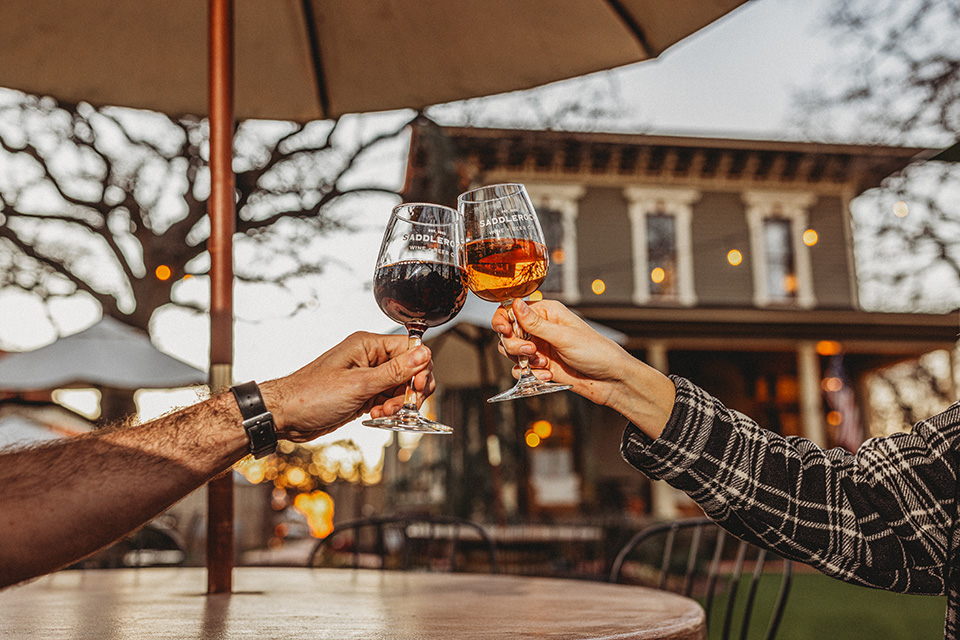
366,373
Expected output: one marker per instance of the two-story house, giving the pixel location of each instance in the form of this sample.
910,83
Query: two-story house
730,262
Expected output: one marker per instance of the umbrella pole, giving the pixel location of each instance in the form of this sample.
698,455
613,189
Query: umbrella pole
222,212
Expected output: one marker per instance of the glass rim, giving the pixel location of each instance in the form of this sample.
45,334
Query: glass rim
514,189
410,205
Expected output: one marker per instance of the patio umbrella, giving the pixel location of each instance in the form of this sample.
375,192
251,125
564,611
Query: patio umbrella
107,354
308,59
311,59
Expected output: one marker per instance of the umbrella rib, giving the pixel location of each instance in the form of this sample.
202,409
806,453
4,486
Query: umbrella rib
315,56
633,26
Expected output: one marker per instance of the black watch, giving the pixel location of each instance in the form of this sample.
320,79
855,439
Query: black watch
257,421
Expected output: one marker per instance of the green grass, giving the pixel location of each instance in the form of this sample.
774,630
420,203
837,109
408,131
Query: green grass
820,607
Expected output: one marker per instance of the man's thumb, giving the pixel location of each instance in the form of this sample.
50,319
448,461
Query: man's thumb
401,369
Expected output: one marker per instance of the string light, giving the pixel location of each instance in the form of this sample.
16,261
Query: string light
810,237
734,257
658,274
163,272
598,286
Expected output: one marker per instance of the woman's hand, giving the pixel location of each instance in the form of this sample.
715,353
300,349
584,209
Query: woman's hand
565,349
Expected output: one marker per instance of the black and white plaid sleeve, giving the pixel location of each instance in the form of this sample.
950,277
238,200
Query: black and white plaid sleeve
882,518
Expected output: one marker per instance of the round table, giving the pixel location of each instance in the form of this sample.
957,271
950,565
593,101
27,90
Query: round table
294,603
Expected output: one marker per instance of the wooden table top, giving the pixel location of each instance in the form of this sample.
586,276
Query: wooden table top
294,603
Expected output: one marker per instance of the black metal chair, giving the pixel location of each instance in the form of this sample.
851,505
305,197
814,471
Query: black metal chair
690,556
407,542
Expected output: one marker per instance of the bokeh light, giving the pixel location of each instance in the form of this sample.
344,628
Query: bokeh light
900,209
163,272
542,428
810,237
734,257
658,274
832,384
829,347
598,286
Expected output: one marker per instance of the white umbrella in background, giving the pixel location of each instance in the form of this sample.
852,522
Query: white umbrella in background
108,354
309,59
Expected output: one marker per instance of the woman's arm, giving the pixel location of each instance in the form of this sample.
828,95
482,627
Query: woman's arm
882,518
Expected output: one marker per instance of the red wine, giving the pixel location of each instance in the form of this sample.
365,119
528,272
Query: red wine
500,269
420,294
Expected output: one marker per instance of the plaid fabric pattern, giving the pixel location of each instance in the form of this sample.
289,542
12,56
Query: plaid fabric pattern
882,518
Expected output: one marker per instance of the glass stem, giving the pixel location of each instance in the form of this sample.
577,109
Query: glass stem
412,397
523,361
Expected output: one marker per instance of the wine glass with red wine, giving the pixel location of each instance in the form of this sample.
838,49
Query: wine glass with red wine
420,283
505,259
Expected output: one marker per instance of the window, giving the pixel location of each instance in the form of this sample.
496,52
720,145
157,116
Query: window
781,263
662,254
551,221
557,208
782,272
661,220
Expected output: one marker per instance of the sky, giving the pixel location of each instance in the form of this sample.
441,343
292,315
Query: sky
736,78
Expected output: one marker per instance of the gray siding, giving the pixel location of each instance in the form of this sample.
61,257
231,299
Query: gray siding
720,224
604,247
829,257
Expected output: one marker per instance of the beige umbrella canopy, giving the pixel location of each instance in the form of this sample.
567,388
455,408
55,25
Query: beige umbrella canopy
309,59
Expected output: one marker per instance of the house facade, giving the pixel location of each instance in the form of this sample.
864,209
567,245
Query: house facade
730,262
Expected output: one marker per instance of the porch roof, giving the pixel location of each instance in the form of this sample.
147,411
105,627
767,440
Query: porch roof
751,329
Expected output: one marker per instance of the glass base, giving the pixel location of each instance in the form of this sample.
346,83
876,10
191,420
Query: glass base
416,422
527,387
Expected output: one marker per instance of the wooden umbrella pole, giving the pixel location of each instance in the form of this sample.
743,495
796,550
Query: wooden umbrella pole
222,212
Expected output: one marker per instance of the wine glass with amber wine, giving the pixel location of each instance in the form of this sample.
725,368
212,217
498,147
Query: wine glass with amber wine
420,283
506,258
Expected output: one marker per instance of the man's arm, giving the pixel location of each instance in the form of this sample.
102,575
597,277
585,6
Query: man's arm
64,500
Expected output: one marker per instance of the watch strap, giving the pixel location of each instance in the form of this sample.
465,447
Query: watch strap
257,421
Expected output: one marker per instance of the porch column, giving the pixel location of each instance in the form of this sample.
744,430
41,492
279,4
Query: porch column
811,401
663,497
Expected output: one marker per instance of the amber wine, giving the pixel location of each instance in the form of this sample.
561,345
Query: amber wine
500,269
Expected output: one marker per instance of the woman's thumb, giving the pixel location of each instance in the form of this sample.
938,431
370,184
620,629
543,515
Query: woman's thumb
535,324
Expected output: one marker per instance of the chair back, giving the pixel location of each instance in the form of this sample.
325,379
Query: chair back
407,542
692,557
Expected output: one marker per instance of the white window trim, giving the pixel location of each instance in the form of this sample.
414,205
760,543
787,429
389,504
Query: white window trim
644,201
564,198
795,208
